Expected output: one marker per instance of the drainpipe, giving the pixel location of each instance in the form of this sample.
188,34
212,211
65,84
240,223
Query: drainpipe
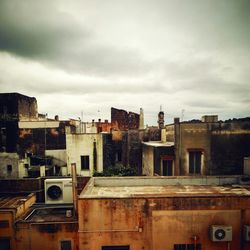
74,186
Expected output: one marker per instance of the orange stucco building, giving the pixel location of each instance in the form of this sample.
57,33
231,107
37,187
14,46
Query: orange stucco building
162,213
134,213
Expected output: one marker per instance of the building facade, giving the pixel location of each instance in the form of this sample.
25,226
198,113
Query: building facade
164,213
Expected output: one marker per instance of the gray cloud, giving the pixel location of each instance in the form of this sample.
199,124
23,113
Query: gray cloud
191,55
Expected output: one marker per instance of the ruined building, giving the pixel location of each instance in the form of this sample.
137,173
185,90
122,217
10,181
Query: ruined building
29,139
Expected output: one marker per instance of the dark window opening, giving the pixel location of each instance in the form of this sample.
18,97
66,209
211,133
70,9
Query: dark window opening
9,168
195,162
118,156
66,245
57,170
5,243
187,247
84,162
4,223
115,248
167,169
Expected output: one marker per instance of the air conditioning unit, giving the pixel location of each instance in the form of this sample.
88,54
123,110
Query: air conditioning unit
220,233
246,232
58,191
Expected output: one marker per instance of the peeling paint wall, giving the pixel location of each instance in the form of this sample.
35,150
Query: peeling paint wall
40,236
159,223
224,145
148,161
9,165
125,120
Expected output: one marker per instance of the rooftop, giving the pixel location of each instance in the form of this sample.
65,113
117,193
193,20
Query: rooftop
13,201
135,187
53,213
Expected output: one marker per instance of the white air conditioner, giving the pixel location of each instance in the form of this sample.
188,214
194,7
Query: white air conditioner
246,232
58,191
220,233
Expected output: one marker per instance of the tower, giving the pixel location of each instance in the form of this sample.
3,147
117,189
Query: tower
161,120
141,122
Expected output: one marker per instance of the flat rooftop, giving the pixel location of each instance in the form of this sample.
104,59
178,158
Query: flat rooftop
12,201
135,187
50,214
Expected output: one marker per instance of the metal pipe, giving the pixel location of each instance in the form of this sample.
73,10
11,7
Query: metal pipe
137,229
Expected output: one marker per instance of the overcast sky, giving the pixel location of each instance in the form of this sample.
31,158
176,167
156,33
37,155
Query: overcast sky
83,57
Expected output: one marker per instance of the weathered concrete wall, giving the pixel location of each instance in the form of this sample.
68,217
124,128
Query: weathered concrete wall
27,108
170,133
15,106
228,149
181,226
152,134
59,156
108,151
225,144
194,136
40,236
11,214
9,163
83,144
8,231
246,166
148,161
149,224
33,139
125,120
8,136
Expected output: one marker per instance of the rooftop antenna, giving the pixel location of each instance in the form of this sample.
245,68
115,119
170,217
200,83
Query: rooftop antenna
82,115
160,107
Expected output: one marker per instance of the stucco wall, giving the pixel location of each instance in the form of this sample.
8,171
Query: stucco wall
9,159
158,223
40,236
148,160
82,144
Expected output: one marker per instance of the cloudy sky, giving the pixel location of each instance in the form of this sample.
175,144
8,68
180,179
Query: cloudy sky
83,57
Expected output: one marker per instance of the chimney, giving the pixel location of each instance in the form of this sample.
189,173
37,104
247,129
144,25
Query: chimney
141,122
176,120
56,117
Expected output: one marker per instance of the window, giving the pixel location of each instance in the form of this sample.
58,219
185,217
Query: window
195,162
4,223
84,162
118,156
167,168
66,245
5,243
187,247
9,168
116,248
